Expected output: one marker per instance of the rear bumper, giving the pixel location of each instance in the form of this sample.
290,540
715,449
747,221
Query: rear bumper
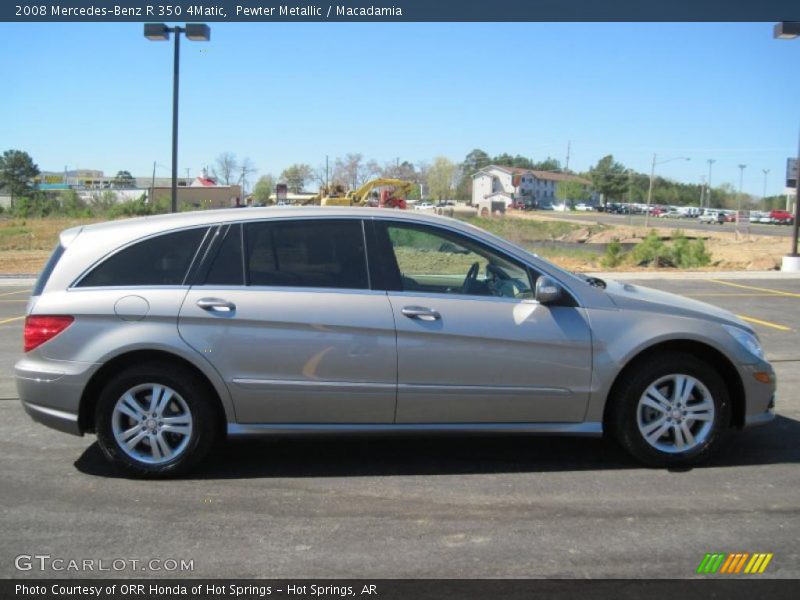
55,419
51,391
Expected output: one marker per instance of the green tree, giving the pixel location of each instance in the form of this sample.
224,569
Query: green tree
548,164
123,179
574,191
296,177
440,178
473,162
17,171
610,178
265,187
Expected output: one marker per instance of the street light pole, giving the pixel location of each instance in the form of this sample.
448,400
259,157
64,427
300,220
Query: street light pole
764,195
710,161
739,202
650,192
159,32
789,30
175,79
652,177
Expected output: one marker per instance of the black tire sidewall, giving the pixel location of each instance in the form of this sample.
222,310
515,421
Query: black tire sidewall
193,392
625,411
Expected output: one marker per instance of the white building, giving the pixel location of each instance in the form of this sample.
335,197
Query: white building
511,184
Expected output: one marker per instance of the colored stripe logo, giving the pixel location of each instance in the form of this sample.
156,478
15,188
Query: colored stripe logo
734,563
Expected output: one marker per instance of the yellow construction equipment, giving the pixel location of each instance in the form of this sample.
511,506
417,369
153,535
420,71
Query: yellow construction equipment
391,197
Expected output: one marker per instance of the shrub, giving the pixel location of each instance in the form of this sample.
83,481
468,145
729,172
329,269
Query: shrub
651,250
614,255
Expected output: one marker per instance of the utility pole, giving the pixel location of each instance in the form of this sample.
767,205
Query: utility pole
244,183
153,184
187,176
566,164
739,203
326,174
764,195
710,161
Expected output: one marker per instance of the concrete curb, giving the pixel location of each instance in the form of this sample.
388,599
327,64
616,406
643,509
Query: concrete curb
13,281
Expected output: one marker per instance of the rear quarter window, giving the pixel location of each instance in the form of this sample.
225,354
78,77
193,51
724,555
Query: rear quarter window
159,260
48,270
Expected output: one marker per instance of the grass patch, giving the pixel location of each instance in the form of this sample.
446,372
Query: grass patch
35,234
524,231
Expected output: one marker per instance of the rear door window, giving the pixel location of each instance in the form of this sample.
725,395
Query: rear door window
306,253
159,260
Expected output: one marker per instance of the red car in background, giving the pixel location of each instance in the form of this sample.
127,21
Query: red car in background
781,217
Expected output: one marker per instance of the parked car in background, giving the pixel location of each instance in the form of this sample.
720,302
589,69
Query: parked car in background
781,217
672,214
712,217
423,206
582,206
164,334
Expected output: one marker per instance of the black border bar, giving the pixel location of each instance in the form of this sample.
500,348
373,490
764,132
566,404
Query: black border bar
398,10
747,587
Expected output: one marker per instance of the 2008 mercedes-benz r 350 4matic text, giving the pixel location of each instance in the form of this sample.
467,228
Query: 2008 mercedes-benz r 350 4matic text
164,334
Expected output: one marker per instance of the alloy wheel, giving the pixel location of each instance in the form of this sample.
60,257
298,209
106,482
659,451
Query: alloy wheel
676,413
152,423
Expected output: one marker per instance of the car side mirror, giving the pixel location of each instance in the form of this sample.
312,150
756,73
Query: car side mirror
547,290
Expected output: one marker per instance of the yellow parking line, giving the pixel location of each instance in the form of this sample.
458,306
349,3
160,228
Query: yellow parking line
732,295
19,292
11,319
765,323
760,289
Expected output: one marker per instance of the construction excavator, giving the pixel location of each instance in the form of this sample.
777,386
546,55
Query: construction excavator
392,196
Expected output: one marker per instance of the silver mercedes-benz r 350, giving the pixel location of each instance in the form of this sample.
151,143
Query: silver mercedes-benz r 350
164,334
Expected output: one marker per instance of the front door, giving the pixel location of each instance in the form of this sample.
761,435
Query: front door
473,346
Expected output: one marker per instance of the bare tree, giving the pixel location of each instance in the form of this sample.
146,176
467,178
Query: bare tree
225,168
353,171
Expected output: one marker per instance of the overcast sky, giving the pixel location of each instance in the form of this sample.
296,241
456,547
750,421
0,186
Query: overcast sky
99,95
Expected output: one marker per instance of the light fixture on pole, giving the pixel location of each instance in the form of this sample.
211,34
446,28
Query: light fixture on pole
764,195
789,30
159,32
652,177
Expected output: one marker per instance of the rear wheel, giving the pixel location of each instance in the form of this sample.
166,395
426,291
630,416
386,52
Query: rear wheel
673,411
155,421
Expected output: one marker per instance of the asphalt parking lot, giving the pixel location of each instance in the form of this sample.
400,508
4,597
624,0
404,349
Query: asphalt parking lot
412,507
692,224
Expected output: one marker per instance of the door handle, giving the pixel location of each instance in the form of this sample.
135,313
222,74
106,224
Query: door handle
216,305
421,312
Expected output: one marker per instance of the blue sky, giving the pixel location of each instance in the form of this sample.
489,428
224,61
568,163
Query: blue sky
99,95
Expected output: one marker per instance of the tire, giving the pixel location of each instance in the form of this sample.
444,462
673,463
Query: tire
654,422
165,438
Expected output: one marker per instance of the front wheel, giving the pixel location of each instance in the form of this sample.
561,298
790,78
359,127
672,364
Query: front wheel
155,421
673,411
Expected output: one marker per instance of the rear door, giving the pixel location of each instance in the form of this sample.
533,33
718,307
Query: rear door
285,313
472,344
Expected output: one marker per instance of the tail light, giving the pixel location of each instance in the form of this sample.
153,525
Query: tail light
41,328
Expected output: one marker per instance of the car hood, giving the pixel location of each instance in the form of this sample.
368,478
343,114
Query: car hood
636,297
